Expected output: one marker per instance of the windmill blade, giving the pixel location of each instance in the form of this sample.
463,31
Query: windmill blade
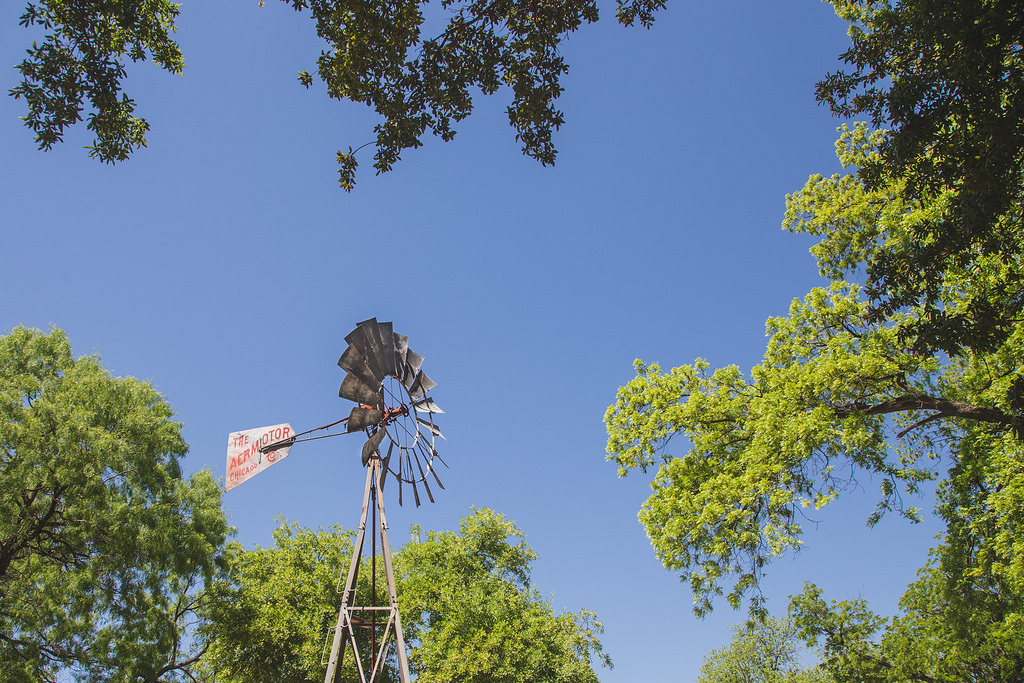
387,348
401,349
361,418
374,350
421,385
413,363
399,477
371,444
360,339
427,405
358,335
431,426
384,467
423,478
354,389
412,478
354,361
430,462
433,471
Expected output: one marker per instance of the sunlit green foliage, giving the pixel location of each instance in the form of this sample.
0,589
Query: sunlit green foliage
839,395
275,625
467,607
468,601
842,396
107,555
766,651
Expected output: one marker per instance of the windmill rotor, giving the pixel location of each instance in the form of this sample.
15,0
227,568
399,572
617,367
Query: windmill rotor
384,378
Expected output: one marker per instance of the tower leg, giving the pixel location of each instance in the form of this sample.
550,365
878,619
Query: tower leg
403,661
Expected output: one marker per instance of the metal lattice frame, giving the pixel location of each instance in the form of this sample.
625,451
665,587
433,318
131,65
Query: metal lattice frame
349,616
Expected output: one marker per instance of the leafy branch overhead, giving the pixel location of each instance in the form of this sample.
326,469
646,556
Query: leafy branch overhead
80,64
376,55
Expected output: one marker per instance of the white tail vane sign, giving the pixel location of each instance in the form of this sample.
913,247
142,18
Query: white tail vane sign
245,460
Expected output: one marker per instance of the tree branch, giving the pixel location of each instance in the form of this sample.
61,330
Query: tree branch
945,408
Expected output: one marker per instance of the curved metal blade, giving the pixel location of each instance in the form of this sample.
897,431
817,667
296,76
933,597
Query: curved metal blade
412,478
384,466
401,349
354,389
430,462
421,386
364,343
374,347
427,405
423,476
386,333
354,361
358,335
361,418
413,362
429,425
371,445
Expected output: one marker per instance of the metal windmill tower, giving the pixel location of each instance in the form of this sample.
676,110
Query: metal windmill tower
384,379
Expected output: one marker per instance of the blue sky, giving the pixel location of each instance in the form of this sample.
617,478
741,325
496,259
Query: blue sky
223,264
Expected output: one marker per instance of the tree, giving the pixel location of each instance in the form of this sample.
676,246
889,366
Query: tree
375,55
465,599
765,651
106,553
471,607
938,636
946,77
841,395
273,627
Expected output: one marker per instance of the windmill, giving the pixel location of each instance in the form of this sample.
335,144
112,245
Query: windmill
383,377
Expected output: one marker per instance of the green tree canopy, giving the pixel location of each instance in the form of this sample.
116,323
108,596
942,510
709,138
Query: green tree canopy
477,617
466,602
765,651
840,396
274,626
106,553
938,636
946,78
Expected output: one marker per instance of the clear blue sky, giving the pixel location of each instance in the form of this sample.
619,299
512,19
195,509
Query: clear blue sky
224,264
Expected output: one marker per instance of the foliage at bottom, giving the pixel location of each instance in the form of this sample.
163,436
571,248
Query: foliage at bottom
469,612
